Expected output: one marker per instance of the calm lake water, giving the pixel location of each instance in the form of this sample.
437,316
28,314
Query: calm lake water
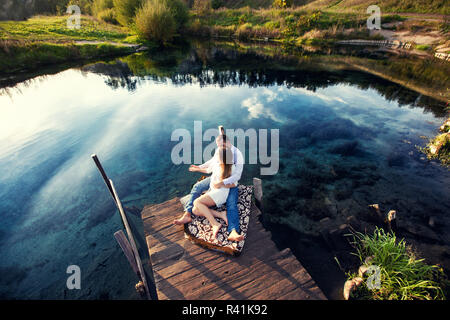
347,139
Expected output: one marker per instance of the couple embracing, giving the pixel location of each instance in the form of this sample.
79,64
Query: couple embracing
225,168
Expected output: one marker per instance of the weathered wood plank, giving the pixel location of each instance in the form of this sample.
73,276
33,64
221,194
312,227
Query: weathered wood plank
183,270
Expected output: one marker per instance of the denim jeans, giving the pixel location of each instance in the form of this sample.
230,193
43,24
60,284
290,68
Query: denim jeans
232,201
196,192
232,210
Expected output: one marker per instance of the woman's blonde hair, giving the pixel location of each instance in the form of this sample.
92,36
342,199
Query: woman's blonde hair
226,162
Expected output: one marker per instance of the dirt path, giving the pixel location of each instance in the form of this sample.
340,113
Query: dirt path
418,37
131,45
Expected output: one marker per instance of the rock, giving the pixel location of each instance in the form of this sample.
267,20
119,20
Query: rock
368,260
362,269
376,213
353,223
446,126
396,159
432,222
420,231
350,285
345,149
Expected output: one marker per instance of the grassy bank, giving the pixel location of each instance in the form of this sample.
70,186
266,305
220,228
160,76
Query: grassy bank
54,29
402,276
292,24
45,40
16,56
386,6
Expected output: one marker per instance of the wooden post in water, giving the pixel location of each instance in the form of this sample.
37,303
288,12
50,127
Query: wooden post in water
128,245
257,190
132,242
105,177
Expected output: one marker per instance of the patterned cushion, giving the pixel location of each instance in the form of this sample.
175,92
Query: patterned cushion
199,229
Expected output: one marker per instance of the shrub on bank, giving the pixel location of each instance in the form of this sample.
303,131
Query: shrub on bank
126,10
202,7
180,12
282,4
155,21
104,10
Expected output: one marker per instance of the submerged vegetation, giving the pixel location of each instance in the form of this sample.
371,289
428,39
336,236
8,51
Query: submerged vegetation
401,275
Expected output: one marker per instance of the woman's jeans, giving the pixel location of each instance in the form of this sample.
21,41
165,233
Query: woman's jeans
232,201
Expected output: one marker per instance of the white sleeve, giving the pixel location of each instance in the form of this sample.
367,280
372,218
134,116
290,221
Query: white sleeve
208,164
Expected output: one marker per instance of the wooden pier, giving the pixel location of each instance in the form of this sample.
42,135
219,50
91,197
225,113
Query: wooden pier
183,270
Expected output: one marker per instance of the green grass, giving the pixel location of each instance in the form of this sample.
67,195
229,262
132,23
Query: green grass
54,28
286,24
402,275
413,6
18,56
422,47
45,40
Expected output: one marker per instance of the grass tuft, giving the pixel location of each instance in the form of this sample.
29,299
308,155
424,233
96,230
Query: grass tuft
402,275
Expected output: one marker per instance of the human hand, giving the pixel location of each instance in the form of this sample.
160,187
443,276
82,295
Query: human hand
218,185
194,168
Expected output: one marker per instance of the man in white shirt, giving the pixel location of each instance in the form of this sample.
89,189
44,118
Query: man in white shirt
231,182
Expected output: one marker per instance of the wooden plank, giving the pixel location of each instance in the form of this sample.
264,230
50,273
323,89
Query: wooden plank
184,270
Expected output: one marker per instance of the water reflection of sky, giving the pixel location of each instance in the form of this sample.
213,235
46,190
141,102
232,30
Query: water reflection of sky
55,209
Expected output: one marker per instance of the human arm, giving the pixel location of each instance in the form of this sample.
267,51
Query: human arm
220,184
194,168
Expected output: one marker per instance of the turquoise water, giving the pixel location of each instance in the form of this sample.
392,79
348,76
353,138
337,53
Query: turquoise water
342,146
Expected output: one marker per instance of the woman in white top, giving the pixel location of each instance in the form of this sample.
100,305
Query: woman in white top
219,170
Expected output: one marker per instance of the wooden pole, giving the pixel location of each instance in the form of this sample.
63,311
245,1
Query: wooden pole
257,190
132,241
102,172
105,179
123,242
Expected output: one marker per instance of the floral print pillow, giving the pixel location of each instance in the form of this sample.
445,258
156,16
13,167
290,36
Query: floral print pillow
199,229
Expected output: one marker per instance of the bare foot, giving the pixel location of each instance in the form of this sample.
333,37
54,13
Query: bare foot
186,218
215,230
222,215
234,236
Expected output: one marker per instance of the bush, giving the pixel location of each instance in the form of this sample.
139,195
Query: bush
216,4
203,7
244,32
179,10
101,5
108,15
126,10
84,5
155,21
282,3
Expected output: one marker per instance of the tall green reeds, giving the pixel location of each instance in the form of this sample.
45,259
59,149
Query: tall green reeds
402,275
